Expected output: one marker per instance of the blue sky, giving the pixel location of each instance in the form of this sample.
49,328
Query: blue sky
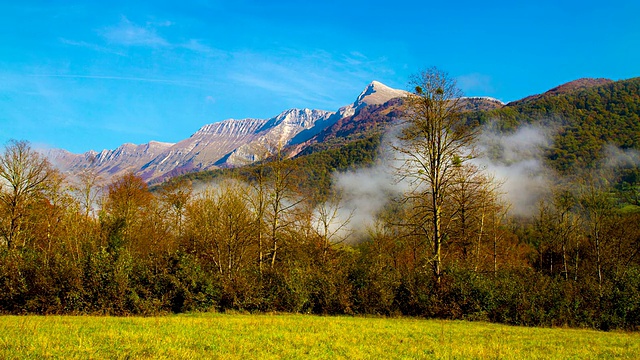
94,75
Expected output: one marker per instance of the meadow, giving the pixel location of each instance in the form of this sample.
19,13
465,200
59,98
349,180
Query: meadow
242,336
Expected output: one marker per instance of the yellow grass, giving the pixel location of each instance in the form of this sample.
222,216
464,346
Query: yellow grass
236,336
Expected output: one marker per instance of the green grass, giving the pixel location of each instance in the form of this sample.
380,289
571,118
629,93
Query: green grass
226,336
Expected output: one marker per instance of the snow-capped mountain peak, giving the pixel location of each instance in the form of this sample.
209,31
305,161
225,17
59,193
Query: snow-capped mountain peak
377,93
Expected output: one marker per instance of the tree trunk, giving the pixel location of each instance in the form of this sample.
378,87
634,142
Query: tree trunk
564,260
437,243
479,240
575,275
495,253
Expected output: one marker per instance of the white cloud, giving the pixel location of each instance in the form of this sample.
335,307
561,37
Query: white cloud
355,58
198,47
166,23
615,157
129,34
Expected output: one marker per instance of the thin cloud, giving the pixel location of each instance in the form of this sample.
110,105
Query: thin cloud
186,83
198,47
129,34
306,77
475,83
166,23
355,58
90,46
264,82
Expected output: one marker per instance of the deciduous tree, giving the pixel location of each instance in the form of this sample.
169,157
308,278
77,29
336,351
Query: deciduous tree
128,199
434,143
24,175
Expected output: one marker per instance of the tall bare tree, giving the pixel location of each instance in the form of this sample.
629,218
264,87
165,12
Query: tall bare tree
87,190
330,223
24,175
220,227
281,203
599,214
434,143
273,201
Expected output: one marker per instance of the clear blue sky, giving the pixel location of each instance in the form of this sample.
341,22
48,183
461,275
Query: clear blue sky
94,75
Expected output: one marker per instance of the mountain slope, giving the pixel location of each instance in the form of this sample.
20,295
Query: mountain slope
204,148
231,143
571,86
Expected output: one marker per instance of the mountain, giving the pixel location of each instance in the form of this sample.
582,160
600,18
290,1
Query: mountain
233,143
223,144
480,103
586,119
361,117
375,93
227,143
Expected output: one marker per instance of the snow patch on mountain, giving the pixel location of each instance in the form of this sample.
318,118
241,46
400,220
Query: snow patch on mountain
488,98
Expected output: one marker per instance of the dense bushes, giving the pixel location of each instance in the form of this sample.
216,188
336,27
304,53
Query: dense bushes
177,283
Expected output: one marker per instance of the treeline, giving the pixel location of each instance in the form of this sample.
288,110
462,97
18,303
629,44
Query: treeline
258,242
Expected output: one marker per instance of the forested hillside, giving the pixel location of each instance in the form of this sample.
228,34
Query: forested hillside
584,120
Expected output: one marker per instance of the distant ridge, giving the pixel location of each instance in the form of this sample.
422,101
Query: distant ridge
579,84
575,85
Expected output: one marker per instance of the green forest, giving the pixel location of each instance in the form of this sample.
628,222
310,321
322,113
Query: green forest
277,236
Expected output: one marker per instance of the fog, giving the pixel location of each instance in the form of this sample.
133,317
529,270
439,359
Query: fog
515,160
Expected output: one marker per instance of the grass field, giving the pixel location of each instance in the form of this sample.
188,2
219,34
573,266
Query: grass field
235,336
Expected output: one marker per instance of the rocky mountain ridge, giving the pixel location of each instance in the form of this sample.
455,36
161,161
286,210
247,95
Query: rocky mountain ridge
227,143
